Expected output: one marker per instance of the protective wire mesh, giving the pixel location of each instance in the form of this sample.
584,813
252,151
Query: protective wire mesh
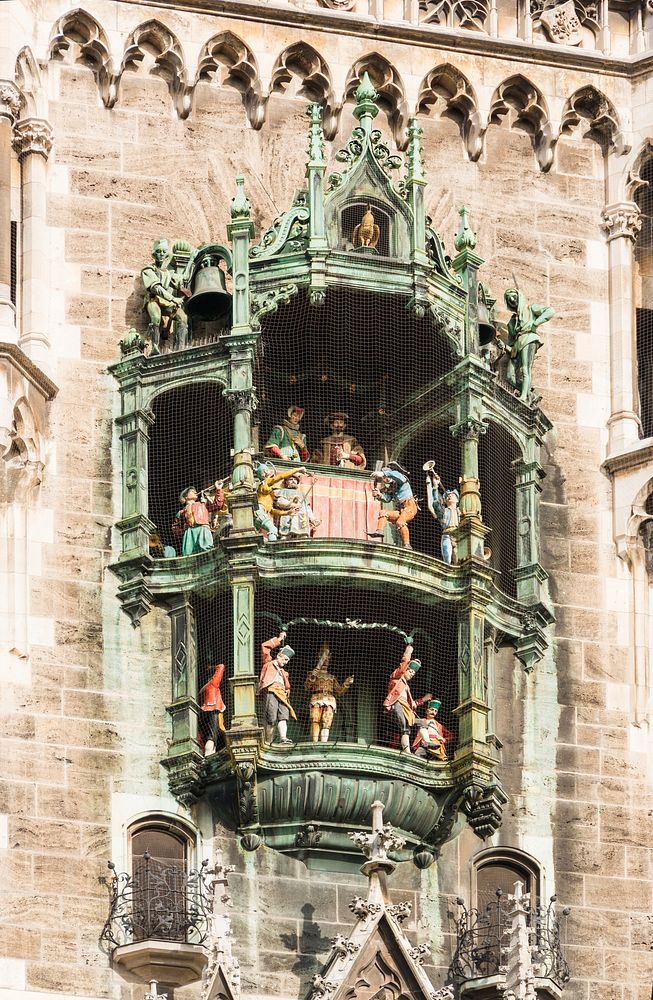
644,299
367,360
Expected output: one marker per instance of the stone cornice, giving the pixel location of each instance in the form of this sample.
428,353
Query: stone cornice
641,453
19,360
504,49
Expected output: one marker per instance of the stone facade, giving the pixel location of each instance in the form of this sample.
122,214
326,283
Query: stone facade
141,118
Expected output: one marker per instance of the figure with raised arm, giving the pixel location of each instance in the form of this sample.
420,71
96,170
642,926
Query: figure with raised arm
274,683
443,506
192,523
323,688
524,339
399,701
269,505
391,485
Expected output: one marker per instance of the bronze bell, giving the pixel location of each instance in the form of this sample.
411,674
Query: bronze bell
486,327
210,300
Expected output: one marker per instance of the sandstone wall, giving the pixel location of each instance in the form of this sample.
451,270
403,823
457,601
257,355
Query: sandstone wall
85,728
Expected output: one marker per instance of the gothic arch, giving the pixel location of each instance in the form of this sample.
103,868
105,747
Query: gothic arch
79,30
227,57
303,61
155,38
28,80
520,95
635,182
446,83
390,87
592,106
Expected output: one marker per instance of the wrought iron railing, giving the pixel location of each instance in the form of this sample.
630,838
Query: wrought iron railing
483,938
157,901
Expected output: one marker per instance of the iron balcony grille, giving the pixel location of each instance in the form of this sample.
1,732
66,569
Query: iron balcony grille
158,901
483,938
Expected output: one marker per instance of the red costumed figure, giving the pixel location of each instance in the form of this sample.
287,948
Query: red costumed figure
399,700
432,737
212,707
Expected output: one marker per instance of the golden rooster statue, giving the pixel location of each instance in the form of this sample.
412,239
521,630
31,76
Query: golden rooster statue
366,233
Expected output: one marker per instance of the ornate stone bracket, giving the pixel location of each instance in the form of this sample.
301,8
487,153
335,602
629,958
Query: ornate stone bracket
266,303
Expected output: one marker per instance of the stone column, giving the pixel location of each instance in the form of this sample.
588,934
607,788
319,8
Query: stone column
472,532
33,142
184,708
621,223
529,575
9,107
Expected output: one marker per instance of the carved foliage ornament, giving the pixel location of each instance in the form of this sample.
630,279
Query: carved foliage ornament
32,135
621,221
10,100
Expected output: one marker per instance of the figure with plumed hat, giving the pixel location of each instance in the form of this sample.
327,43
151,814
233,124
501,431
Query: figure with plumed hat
399,700
432,737
443,506
286,440
274,683
192,522
339,448
212,708
323,688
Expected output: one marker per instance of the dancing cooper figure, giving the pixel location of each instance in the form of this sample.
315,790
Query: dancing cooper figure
323,688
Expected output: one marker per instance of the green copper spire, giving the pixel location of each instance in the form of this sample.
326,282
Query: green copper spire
465,237
240,206
315,139
366,109
415,161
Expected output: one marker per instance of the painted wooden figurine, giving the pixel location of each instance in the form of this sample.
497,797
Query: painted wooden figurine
391,485
323,688
523,339
444,508
286,440
399,700
269,506
192,522
212,707
299,520
432,737
274,683
164,299
339,448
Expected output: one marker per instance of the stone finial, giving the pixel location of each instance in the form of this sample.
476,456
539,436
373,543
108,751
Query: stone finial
415,151
465,237
32,135
240,206
366,97
152,994
10,100
315,137
621,221
375,845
